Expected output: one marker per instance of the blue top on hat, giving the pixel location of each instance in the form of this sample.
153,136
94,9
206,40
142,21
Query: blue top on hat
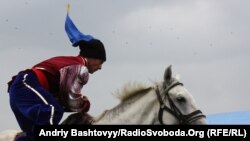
73,33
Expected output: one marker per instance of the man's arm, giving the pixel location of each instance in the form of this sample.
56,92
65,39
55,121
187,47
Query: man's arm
72,79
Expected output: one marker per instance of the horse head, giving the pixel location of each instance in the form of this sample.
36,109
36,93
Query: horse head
177,103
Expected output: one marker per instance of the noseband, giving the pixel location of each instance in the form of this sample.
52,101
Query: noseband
183,119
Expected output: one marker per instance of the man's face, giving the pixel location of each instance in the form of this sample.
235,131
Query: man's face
94,65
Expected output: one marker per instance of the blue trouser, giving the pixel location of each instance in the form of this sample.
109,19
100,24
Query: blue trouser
32,104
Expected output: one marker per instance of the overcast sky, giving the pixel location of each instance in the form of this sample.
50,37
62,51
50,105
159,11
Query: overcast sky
205,41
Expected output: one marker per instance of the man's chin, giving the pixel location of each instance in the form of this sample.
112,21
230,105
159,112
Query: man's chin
92,71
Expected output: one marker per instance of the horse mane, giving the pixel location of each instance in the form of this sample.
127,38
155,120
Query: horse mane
130,89
127,91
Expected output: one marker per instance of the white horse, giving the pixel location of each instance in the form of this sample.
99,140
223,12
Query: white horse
167,102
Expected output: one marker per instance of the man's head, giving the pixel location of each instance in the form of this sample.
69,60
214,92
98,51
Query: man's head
90,48
95,53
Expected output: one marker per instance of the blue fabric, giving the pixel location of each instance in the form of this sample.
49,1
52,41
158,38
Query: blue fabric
29,108
74,34
237,117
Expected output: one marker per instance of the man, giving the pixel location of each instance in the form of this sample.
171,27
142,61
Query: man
40,95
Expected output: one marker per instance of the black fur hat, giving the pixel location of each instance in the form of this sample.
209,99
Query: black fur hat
92,49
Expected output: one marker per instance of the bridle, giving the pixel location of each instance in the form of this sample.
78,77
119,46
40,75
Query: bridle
183,119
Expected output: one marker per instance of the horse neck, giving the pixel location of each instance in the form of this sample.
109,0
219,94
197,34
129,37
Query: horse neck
139,110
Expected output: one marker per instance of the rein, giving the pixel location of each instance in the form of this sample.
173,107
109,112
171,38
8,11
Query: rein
183,119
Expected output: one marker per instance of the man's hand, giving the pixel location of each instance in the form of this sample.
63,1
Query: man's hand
79,104
86,104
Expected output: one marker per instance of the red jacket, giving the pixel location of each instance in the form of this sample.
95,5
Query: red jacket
65,76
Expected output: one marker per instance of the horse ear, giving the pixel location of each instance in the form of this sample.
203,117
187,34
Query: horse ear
168,73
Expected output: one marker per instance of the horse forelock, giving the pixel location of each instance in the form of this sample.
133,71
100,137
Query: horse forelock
131,89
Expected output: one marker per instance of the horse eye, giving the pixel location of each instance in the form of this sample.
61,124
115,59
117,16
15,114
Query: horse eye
181,99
